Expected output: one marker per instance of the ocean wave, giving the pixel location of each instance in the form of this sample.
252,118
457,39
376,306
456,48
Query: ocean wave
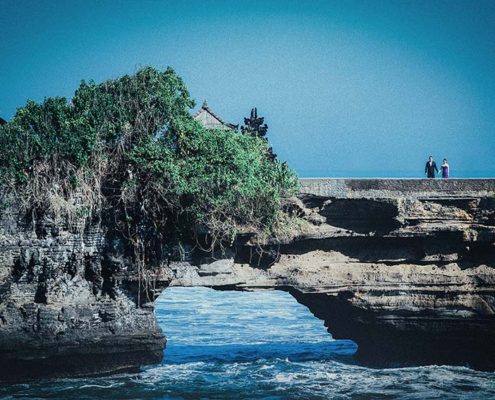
219,349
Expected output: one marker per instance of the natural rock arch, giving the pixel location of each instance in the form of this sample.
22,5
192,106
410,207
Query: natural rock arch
419,291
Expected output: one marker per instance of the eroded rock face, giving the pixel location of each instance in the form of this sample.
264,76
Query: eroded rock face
405,270
62,310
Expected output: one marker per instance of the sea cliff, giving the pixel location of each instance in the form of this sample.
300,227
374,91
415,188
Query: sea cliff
405,268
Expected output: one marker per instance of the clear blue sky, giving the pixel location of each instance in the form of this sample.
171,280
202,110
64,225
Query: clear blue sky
348,88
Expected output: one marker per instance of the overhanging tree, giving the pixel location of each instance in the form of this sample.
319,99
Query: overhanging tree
127,150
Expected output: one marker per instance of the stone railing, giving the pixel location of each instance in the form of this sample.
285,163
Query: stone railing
416,188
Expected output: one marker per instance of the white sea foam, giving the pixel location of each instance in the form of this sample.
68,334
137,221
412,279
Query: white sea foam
219,348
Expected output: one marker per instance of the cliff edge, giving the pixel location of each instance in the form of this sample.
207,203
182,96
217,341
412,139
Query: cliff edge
405,268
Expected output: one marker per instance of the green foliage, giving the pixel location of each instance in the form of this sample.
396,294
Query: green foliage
129,149
230,181
43,132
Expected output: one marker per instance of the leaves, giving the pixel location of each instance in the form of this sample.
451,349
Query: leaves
132,145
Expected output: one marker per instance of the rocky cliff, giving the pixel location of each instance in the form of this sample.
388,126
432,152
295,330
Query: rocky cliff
405,268
68,302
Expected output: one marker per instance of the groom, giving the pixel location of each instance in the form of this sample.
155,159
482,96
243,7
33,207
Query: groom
430,168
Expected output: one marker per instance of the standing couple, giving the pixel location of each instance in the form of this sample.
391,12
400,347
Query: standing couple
431,167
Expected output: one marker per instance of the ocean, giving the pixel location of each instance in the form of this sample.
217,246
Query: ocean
257,345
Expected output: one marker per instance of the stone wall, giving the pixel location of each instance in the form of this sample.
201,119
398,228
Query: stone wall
345,188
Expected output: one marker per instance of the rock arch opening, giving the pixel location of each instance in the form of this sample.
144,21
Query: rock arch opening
207,325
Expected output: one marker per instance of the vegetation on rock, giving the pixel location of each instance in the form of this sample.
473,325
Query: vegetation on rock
129,150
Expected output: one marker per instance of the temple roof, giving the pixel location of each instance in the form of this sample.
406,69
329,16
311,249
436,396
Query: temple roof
210,120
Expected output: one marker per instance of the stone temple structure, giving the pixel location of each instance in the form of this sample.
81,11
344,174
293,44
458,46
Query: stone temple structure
210,120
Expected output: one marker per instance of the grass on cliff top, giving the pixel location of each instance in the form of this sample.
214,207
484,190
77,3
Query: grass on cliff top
128,150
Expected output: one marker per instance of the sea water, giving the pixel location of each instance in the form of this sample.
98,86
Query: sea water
257,345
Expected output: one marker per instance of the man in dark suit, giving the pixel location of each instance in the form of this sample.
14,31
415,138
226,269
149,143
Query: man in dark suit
430,168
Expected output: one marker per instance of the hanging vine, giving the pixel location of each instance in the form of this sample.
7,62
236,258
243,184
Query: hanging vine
128,152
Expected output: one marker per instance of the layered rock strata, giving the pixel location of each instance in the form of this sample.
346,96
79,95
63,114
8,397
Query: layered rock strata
405,268
68,304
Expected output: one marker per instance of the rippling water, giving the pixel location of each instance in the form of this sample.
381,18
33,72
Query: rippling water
233,345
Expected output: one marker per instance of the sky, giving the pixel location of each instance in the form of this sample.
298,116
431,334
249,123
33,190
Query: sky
347,88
